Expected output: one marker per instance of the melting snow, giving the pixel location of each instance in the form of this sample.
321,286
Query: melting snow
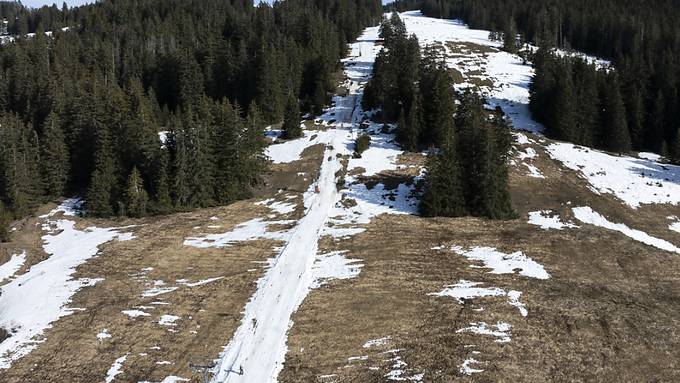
334,265
168,320
9,268
500,330
31,302
104,334
247,231
377,342
467,290
634,181
547,219
502,263
587,215
135,313
466,369
116,368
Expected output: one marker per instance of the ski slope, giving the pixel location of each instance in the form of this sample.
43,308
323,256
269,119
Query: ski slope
257,350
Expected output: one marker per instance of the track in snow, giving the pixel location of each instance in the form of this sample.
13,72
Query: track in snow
257,350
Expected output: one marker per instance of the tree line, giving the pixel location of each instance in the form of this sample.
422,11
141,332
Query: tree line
639,37
467,170
81,111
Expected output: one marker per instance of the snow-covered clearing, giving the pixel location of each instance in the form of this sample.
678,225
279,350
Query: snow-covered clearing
586,215
675,226
634,181
502,263
31,302
548,219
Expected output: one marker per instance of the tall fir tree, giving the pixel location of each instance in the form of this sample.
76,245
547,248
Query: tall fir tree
291,121
136,197
443,195
55,163
616,136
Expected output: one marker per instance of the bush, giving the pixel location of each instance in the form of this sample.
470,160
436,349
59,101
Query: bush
362,143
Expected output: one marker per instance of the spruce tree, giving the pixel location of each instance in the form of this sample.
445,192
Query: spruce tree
563,122
616,135
510,38
291,121
54,164
98,199
443,195
5,222
136,197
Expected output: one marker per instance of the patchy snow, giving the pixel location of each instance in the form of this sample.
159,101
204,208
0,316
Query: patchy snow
251,230
116,369
334,265
467,290
377,342
291,151
533,171
465,368
158,289
31,302
279,207
502,263
464,290
168,320
634,181
675,226
501,330
135,313
547,219
586,215
202,282
104,334
9,268
513,300
528,153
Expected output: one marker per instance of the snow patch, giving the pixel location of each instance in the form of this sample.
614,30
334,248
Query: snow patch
116,369
502,263
632,180
501,330
251,230
586,215
334,265
547,219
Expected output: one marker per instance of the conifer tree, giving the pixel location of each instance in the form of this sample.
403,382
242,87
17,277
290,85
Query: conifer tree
5,222
291,121
443,195
616,136
98,200
510,38
136,197
54,164
563,121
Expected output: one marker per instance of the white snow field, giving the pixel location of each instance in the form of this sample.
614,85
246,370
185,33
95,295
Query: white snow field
586,215
32,301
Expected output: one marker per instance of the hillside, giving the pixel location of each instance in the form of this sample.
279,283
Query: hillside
328,274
